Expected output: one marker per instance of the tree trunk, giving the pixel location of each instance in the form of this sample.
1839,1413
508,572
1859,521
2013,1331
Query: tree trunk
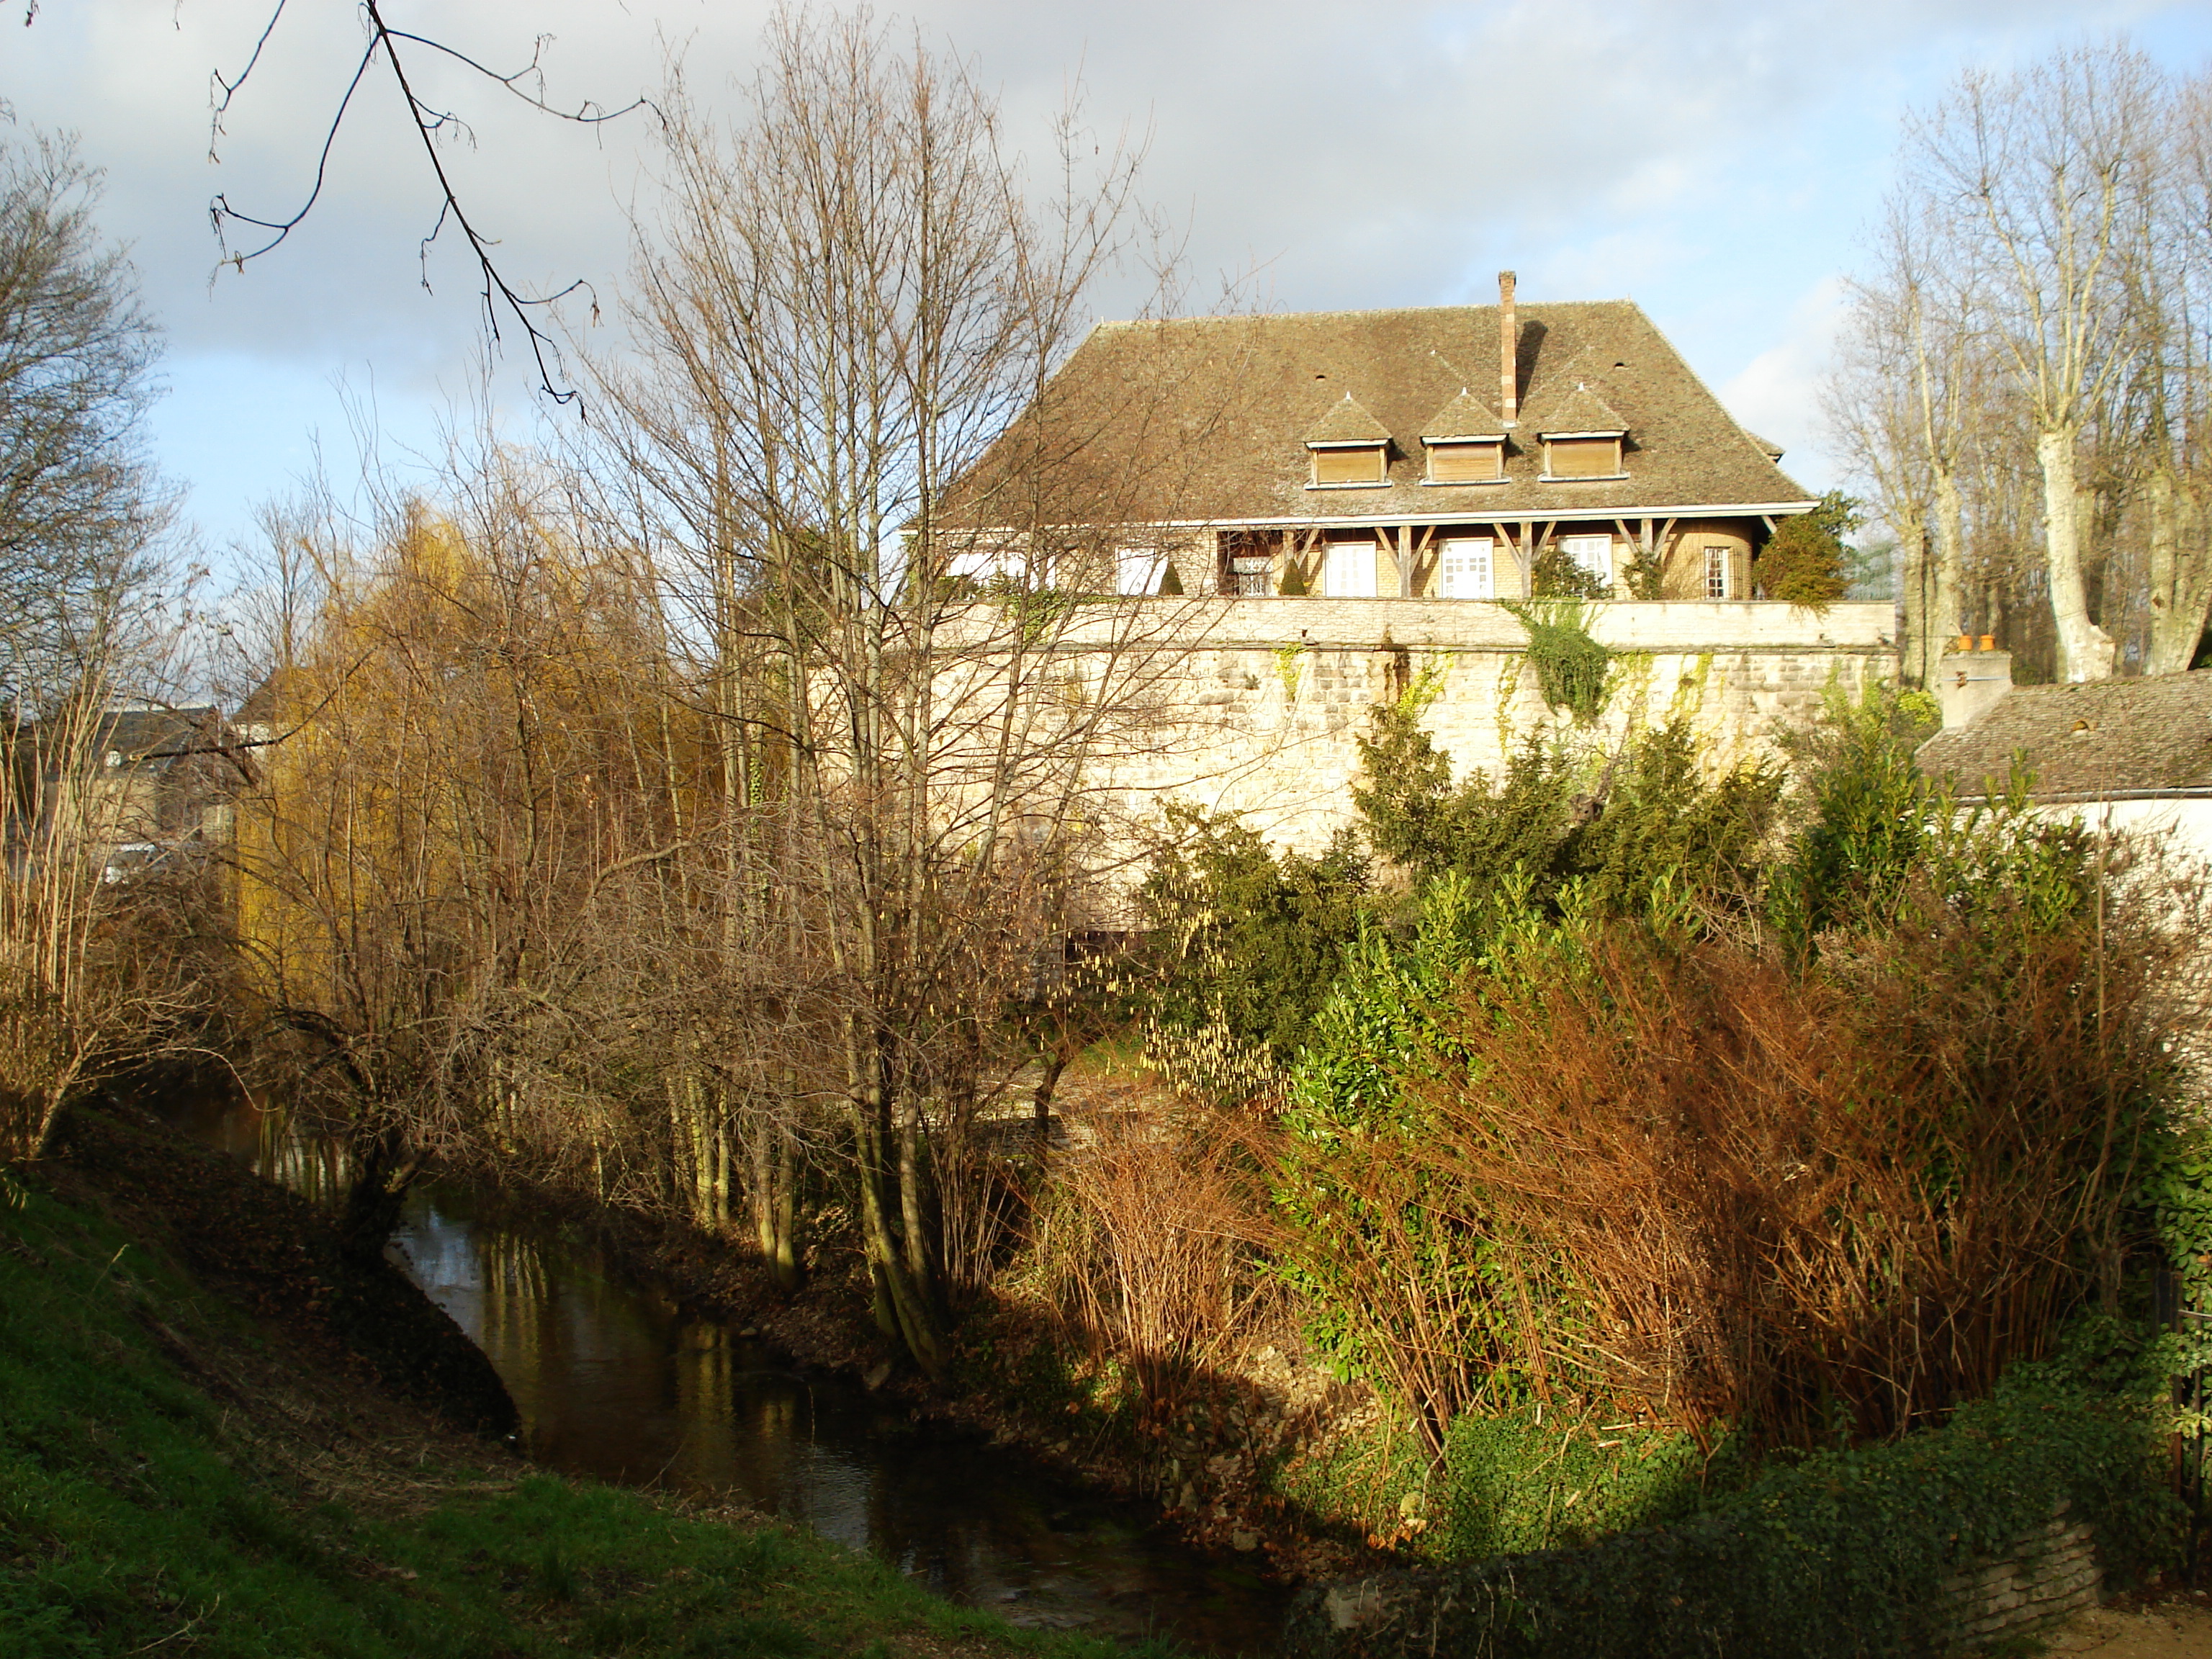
383,1171
1054,1063
1946,586
903,1310
1914,576
773,1194
2085,650
2179,590
918,1217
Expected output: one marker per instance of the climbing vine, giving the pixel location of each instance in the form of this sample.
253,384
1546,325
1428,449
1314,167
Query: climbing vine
1570,666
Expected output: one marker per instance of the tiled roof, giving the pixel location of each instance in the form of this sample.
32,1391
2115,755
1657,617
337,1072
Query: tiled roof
1346,423
139,734
1465,416
1205,419
2106,735
1581,412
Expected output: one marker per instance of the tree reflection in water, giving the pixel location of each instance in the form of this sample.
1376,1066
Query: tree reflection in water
613,1379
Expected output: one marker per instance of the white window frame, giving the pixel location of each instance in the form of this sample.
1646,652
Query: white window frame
981,562
1137,571
1467,568
1716,572
1593,554
1348,571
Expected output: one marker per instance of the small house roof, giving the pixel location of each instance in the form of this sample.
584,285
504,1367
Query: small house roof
1346,423
2105,736
157,734
1465,416
1582,413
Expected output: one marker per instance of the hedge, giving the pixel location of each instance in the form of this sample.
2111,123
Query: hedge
1840,1556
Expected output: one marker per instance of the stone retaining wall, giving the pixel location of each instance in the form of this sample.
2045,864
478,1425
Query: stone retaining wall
1265,698
2050,1573
1481,1607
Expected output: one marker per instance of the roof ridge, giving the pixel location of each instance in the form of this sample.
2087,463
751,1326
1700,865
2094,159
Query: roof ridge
1524,308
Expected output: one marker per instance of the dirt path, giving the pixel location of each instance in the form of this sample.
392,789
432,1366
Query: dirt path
2181,1628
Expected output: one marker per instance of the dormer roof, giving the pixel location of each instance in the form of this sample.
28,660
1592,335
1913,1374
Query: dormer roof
1465,418
1582,414
1346,425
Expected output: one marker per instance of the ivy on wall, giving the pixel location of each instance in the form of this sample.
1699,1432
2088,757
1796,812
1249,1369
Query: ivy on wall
1571,665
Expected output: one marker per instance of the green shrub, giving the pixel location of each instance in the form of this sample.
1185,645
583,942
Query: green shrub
1839,1556
1866,810
1806,562
1246,941
1645,814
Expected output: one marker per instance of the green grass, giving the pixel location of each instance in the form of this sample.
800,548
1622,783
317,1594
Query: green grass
164,1490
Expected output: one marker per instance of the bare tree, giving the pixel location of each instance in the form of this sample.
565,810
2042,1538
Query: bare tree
849,303
2163,460
1902,402
82,627
81,505
458,753
2035,180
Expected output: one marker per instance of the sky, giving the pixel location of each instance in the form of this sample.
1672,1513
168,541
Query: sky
1720,162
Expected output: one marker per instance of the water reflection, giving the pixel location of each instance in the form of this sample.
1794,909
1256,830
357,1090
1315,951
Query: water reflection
614,1380
270,1142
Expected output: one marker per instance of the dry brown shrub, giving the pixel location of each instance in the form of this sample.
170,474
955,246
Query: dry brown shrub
1149,1236
1826,1199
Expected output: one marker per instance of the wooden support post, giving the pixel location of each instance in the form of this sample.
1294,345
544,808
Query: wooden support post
1405,554
1421,545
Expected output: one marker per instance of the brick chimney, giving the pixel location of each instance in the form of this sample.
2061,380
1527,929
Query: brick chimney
1509,352
1969,683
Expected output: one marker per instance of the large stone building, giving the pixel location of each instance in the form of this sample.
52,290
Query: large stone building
1341,500
1437,452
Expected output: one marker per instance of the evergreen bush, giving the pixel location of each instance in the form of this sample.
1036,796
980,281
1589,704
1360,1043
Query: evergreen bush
1840,1556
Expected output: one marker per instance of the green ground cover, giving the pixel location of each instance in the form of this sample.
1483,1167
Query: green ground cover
172,1480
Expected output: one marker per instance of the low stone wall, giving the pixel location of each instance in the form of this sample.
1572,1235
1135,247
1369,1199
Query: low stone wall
1485,1608
2048,1574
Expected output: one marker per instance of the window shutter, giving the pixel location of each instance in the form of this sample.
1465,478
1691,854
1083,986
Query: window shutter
1466,463
1583,458
1360,464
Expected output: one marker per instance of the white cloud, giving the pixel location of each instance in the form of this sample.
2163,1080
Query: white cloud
1712,160
1778,393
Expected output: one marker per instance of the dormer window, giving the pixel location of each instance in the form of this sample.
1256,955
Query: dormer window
1350,449
1465,444
1583,438
1350,464
1582,457
1477,461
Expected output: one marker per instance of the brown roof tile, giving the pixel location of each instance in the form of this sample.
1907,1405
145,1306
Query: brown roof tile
1203,420
1346,423
2085,740
1465,416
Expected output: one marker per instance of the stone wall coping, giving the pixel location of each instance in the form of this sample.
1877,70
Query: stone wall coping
1691,626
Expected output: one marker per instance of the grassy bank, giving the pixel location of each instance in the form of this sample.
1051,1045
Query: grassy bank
180,1473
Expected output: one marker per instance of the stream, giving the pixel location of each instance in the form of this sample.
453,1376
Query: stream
615,1379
